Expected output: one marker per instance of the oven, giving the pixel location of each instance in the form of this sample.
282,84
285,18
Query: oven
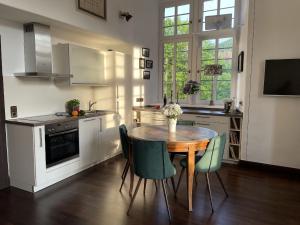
62,142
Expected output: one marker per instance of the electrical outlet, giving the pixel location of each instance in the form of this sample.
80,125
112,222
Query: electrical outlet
139,99
13,111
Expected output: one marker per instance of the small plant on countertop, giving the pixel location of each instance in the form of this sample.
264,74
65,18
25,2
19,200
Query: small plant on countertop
73,105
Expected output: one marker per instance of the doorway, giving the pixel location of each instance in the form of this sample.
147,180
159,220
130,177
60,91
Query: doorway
4,179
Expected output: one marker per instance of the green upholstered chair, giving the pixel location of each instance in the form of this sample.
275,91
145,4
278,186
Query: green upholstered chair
210,162
125,149
151,161
183,123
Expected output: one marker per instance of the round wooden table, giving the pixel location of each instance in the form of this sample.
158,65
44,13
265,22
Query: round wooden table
187,139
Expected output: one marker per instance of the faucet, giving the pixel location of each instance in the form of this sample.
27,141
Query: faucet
91,105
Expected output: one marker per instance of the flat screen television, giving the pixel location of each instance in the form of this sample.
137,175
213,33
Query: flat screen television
282,77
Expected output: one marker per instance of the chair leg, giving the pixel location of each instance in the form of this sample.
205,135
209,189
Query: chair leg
125,168
179,181
222,184
172,156
155,184
145,183
125,175
209,190
166,198
173,184
134,195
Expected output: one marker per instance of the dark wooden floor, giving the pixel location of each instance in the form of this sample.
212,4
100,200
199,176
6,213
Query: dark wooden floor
256,197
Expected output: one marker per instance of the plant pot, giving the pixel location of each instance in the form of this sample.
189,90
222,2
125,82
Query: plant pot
172,125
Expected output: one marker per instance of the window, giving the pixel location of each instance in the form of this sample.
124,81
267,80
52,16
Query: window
216,51
217,7
176,20
180,59
176,68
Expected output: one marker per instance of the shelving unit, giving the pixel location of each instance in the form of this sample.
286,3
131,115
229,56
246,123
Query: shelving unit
235,137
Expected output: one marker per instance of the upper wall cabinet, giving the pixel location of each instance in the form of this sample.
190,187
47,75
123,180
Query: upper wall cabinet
85,64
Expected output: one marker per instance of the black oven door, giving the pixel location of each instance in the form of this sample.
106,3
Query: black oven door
61,147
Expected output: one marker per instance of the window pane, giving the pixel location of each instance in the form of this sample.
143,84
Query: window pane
168,67
227,11
182,67
226,76
182,46
227,3
225,53
207,62
183,9
208,54
169,11
209,13
169,21
225,42
205,95
223,90
226,64
206,86
169,31
183,29
184,19
210,5
209,44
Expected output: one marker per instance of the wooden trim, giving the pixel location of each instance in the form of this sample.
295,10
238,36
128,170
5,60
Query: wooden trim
4,179
281,170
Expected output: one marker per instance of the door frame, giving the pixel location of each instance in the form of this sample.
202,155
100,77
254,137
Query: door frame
4,177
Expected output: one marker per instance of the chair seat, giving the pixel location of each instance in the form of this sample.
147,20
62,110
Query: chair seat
183,162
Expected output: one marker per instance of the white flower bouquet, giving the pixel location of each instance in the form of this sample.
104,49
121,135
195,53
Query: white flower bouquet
172,111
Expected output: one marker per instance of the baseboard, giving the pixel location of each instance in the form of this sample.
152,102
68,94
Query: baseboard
271,168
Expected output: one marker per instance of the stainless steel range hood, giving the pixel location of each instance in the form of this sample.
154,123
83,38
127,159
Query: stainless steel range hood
38,52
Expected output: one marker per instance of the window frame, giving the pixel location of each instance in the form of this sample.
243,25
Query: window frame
195,38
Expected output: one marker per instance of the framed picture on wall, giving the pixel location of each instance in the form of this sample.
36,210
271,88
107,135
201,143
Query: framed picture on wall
149,64
93,7
146,52
142,63
146,75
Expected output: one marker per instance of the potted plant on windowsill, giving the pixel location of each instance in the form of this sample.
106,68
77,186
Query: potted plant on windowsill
192,88
172,112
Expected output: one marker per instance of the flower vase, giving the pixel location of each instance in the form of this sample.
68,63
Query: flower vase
172,125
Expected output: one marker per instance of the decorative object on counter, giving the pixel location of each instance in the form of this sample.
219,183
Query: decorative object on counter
172,112
227,105
81,113
73,105
241,62
94,7
192,88
142,63
125,15
149,64
213,70
146,75
165,100
146,52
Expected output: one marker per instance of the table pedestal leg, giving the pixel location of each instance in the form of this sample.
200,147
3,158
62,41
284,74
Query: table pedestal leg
190,175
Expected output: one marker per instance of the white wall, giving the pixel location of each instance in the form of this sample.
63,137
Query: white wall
274,124
35,97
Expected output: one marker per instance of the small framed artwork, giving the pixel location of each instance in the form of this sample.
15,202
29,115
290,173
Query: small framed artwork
146,52
149,64
146,75
142,63
93,7
241,62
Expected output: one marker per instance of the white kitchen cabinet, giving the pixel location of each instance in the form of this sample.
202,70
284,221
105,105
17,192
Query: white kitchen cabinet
89,130
109,136
85,64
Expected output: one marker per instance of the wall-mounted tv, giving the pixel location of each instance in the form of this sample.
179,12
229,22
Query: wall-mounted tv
282,77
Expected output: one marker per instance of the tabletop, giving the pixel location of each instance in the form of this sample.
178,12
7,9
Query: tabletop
161,133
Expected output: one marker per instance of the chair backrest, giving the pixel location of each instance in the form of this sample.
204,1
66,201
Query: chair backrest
151,159
124,140
211,161
185,122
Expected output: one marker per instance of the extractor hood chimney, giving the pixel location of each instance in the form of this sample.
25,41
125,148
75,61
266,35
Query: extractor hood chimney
38,52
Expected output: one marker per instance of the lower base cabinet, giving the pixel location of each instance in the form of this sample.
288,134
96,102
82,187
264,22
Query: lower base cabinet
98,141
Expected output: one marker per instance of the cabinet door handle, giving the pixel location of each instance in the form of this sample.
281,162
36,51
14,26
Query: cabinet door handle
89,120
41,138
204,117
203,124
